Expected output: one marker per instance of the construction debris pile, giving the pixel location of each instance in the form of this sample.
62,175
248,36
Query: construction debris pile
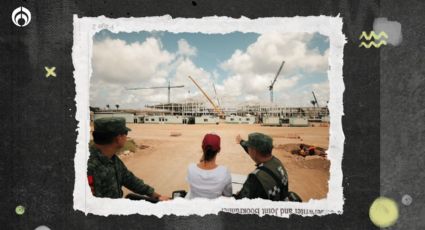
304,150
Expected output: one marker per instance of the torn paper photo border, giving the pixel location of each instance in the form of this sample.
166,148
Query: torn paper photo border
84,30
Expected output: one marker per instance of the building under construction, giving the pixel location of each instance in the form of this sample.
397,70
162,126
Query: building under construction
191,112
180,109
197,109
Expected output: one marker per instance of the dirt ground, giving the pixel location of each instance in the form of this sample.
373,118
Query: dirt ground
171,148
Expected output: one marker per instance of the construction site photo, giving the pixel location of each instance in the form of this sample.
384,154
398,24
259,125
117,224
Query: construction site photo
173,88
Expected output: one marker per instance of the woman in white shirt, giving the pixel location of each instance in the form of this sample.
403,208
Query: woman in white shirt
207,179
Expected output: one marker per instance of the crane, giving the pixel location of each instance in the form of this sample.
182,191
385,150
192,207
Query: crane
215,91
216,108
274,81
314,102
169,87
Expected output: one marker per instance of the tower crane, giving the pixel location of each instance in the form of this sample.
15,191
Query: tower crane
169,87
274,81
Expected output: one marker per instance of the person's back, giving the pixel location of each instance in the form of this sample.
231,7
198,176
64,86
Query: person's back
207,179
271,189
270,179
209,183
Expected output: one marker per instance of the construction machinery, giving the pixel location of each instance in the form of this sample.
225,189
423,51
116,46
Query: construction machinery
317,114
274,81
169,87
216,108
314,102
216,97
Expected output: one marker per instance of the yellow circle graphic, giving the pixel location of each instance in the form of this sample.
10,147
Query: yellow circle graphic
383,212
20,210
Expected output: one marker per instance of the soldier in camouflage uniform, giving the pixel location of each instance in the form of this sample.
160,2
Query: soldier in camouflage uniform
269,180
105,171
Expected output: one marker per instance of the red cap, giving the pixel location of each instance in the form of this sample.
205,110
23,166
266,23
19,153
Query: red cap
211,140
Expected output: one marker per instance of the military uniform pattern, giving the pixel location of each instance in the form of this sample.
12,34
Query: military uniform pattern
259,184
107,176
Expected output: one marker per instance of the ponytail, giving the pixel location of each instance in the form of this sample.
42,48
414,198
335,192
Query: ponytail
209,153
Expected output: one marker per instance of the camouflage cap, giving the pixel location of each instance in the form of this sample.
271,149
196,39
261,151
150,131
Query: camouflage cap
110,125
261,142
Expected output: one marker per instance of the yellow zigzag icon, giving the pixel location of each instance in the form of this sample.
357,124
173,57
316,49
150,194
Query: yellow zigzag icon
372,43
372,34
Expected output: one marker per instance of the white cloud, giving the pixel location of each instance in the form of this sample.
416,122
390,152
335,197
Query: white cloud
232,86
253,70
184,69
238,89
117,65
185,49
117,62
251,98
302,96
267,53
286,83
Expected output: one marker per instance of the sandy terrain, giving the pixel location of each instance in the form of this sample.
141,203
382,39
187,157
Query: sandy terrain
163,164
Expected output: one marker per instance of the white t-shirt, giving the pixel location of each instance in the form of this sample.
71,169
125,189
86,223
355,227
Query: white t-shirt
209,183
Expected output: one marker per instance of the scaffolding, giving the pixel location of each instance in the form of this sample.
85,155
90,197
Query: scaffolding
196,109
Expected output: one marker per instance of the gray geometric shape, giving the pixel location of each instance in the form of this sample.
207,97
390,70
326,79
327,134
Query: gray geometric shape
406,200
42,227
391,28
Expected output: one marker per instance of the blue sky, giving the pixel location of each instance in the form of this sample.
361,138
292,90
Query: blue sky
224,59
213,49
